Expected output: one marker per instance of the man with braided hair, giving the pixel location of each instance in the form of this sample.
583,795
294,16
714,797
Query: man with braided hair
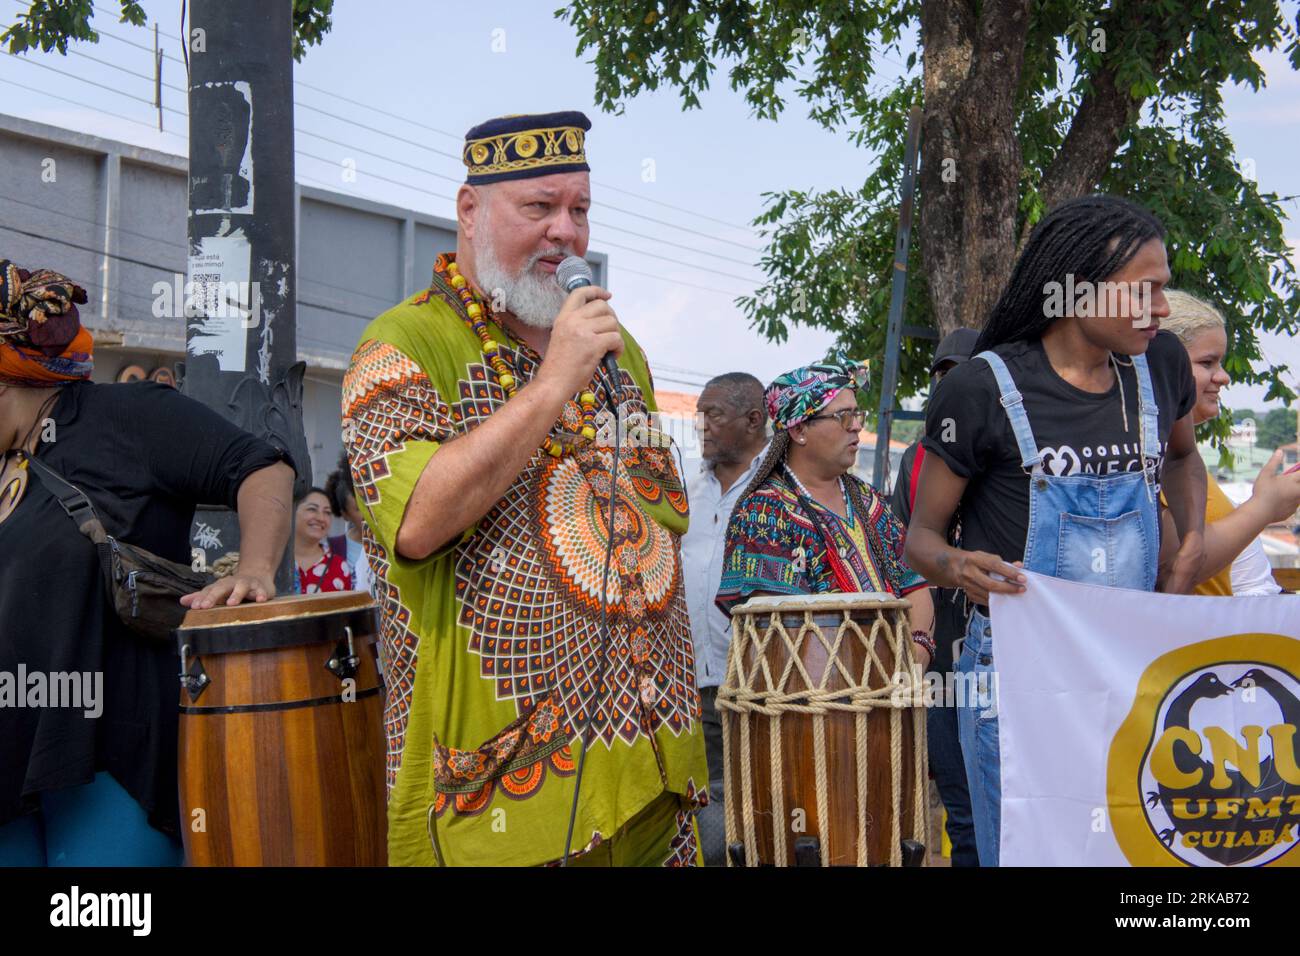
804,524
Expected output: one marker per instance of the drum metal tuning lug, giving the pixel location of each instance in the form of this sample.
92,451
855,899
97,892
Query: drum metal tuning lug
344,663
913,853
737,853
194,679
807,851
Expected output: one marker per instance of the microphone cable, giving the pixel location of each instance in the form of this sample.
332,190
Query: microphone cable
599,690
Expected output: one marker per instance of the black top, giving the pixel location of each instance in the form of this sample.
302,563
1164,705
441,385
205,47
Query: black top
145,455
1076,431
949,603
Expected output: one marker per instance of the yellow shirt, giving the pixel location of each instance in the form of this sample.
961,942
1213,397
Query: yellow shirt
1217,505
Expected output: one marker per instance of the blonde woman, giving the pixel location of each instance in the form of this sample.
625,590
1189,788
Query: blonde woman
1235,563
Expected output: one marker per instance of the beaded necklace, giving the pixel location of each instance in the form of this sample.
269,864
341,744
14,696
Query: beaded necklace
477,316
848,505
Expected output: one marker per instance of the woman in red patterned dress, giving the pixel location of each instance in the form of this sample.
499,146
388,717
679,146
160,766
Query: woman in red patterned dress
317,567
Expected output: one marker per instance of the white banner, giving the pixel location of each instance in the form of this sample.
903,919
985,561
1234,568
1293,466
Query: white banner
1147,729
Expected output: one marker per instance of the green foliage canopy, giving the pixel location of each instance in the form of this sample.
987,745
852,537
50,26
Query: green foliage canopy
1123,96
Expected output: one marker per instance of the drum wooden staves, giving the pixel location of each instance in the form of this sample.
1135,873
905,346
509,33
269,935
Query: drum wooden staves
281,734
823,733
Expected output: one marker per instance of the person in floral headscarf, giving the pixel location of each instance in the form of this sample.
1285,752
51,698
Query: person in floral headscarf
804,524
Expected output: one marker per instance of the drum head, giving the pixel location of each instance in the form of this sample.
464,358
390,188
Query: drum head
819,603
292,606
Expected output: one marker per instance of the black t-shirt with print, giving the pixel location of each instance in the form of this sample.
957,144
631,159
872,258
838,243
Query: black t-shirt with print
1077,432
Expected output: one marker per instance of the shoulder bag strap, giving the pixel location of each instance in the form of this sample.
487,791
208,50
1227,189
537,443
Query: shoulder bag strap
71,499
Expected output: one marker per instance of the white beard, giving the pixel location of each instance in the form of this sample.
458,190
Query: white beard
534,300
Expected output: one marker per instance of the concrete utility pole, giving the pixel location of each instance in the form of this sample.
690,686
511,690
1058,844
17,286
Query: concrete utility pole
240,341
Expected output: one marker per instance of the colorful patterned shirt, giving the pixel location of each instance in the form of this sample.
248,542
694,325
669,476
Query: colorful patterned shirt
490,644
774,548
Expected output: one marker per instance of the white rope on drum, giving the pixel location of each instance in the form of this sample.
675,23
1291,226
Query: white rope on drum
729,824
778,790
860,740
744,695
823,804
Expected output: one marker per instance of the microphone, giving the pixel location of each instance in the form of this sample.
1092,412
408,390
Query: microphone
574,273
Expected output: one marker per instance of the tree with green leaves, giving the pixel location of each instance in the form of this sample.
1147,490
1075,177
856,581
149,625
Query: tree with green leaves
1024,105
1273,428
50,24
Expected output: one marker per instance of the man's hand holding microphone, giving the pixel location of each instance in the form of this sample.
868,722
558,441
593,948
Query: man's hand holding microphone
585,331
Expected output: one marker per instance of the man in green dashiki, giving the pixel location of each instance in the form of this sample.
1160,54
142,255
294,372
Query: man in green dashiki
481,451
804,524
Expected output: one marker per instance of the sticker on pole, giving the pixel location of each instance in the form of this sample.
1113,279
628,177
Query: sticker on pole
223,303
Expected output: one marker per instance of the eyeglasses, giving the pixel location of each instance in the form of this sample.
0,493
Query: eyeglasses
850,419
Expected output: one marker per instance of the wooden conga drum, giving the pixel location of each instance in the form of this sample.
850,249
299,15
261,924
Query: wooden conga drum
281,734
823,731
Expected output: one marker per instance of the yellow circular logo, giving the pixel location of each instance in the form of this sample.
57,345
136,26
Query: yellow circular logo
478,153
571,140
1205,769
526,146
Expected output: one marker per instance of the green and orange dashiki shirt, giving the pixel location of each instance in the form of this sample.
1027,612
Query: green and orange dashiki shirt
489,646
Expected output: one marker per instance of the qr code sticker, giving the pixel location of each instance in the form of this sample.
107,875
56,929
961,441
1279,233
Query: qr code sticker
206,292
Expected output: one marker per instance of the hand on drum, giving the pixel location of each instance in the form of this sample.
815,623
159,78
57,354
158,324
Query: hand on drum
236,589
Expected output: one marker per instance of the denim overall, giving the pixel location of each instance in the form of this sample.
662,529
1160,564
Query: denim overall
1099,529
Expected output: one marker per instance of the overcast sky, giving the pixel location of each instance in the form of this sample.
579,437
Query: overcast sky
683,183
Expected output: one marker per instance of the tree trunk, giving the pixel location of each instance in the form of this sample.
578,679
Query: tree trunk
970,158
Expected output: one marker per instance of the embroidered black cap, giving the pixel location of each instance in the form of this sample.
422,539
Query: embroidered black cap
520,147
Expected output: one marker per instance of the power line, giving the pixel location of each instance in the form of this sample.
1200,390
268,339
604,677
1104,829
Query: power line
114,66
458,180
683,371
99,252
419,169
440,195
602,225
83,105
676,381
335,309
153,265
99,225
102,86
381,132
433,129
141,46
688,265
179,243
111,89
604,242
459,138
675,282
618,267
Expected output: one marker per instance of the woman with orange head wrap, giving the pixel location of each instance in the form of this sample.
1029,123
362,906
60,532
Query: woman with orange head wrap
42,345
42,341
87,706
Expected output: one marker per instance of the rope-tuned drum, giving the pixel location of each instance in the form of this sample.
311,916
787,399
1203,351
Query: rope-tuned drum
823,731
